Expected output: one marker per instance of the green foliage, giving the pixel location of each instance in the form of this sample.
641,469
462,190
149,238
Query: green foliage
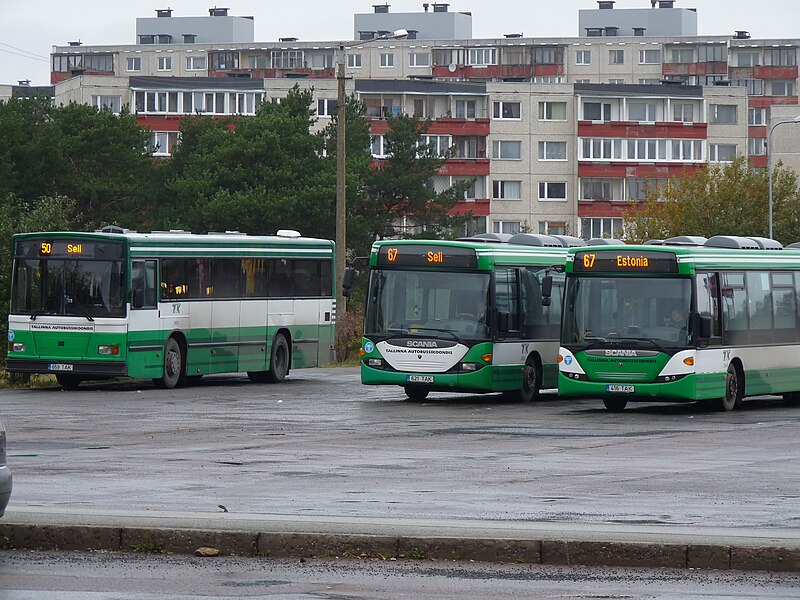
720,200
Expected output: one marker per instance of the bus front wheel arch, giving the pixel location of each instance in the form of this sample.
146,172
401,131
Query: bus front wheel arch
734,388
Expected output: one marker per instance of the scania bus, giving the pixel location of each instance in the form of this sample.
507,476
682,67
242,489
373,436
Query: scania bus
464,316
684,319
170,306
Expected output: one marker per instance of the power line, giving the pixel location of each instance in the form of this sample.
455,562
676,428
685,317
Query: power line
26,55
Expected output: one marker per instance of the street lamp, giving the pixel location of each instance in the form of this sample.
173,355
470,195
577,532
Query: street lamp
341,189
769,164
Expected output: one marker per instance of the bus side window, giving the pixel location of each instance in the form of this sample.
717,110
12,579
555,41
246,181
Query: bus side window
506,295
143,283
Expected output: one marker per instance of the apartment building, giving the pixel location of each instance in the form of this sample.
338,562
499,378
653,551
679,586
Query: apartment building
561,135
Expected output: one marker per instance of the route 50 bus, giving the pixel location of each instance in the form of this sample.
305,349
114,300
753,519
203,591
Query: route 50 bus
689,319
464,316
171,306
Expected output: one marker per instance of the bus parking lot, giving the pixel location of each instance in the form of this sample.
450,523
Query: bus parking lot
321,444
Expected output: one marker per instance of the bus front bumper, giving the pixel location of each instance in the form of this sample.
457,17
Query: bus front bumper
54,367
682,390
490,378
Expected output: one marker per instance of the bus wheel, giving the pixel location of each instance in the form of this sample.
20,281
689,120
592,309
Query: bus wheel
67,382
173,365
416,393
792,398
530,380
279,360
734,389
615,405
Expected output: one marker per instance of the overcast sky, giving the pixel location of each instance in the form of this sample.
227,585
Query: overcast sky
29,29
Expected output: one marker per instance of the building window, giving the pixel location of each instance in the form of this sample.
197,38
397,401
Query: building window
756,116
553,55
723,113
506,190
165,63
687,150
780,57
548,79
507,149
596,189
781,88
713,53
258,61
133,63
552,228
596,111
552,150
387,59
326,107
682,55
479,57
756,146
644,149
224,60
683,113
640,188
601,227
162,143
465,109
583,57
511,227
649,57
616,81
245,103
552,190
722,152
642,112
552,111
755,87
322,61
376,146
616,57
507,110
354,61
287,59
434,145
112,103
196,63
419,59
648,81
601,148
748,59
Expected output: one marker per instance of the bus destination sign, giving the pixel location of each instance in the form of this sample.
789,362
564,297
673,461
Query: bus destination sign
66,248
624,261
425,255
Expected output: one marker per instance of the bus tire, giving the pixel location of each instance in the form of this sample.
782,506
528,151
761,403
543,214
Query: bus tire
67,381
734,389
530,380
791,398
416,393
615,405
278,360
173,366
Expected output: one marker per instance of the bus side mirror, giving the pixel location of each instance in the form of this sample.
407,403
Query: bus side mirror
347,281
705,326
547,289
503,319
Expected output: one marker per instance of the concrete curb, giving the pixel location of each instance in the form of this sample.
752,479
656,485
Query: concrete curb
283,537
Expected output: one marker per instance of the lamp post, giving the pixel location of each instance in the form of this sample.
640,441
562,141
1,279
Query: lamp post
341,187
769,163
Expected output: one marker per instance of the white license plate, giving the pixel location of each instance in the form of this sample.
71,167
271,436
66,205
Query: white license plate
59,367
620,389
419,378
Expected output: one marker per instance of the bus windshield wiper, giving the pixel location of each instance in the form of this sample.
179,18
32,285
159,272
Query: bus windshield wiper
38,313
450,331
658,346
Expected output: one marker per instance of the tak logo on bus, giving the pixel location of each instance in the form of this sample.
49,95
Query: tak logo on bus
391,254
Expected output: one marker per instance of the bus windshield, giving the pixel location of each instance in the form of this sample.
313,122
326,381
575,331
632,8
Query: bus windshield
631,311
403,301
87,288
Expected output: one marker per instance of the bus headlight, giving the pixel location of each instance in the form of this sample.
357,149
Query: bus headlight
108,350
375,363
16,347
469,367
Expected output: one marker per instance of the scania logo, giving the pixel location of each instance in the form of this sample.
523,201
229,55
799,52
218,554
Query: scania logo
621,353
421,344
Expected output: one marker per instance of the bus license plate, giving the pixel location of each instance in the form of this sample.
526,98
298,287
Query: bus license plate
620,389
59,367
419,378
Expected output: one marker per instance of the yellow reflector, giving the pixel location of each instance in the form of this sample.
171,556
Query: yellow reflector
559,358
689,361
487,358
361,352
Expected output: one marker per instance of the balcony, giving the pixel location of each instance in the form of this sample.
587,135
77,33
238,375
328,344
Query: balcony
763,72
700,68
635,129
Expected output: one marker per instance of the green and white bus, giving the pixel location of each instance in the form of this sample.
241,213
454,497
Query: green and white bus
464,316
170,306
684,319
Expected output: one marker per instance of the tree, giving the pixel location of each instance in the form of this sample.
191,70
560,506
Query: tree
401,184
719,200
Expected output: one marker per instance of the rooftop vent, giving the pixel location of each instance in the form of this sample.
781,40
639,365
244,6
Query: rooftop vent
605,242
440,7
535,239
594,31
612,31
666,3
287,39
163,12
741,35
605,4
189,38
767,243
570,241
288,233
218,12
497,238
511,36
639,31
24,82
732,241
78,43
412,34
381,8
685,240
